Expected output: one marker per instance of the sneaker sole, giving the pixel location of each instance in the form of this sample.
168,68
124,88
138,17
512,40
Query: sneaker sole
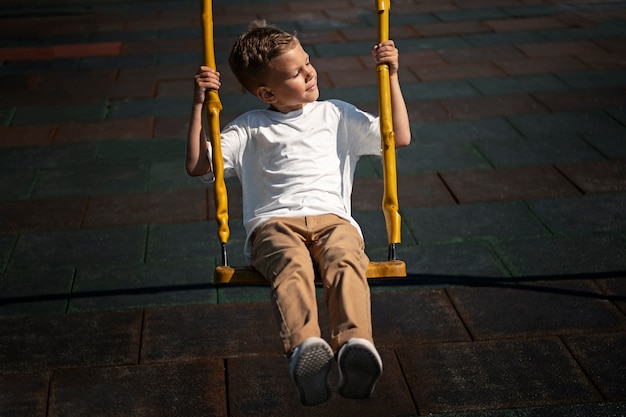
311,374
360,372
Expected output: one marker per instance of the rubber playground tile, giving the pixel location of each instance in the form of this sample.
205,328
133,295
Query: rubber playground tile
564,256
583,100
261,386
139,286
51,114
145,208
536,150
209,331
189,389
438,157
528,23
482,54
499,220
71,340
80,248
599,355
535,308
615,289
77,181
467,131
573,48
451,28
503,38
14,136
437,90
406,318
519,84
483,13
508,184
540,65
111,62
16,184
104,130
138,108
597,177
588,123
42,214
24,394
7,244
464,263
501,374
574,410
584,215
457,71
35,292
595,78
491,106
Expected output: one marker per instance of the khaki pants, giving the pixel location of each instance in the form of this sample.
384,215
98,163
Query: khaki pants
287,251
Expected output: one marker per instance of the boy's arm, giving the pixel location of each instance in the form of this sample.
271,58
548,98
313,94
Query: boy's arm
197,160
387,53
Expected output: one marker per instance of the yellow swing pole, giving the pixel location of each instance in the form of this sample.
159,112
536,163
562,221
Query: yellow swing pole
213,108
390,192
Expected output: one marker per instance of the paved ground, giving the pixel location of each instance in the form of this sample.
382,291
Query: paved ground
513,196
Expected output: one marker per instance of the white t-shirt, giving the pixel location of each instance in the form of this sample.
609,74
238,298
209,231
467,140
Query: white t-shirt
298,164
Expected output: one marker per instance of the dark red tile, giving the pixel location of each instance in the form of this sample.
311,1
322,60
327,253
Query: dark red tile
573,48
146,208
34,53
481,54
525,24
599,355
87,49
456,71
583,100
500,374
24,394
209,331
401,318
597,177
431,30
140,128
173,389
16,136
41,214
89,339
423,190
261,386
536,309
491,106
515,183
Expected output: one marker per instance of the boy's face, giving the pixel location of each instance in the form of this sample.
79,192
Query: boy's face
292,81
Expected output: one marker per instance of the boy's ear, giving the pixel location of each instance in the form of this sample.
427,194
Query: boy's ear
265,94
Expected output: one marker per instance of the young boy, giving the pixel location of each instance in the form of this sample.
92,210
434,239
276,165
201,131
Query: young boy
295,161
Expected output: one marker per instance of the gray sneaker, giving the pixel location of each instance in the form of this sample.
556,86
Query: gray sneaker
309,366
360,368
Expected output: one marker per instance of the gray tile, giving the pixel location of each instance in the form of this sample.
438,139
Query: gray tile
584,215
35,291
436,157
562,256
518,84
79,248
465,131
509,309
88,339
472,221
503,374
189,389
148,285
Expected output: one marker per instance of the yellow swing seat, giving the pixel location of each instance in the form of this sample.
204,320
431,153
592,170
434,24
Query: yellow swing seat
392,268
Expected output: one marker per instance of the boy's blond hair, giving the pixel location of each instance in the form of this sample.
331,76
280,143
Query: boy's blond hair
251,55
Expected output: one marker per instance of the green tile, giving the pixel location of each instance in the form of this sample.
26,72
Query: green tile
141,286
51,114
518,85
594,79
35,291
7,243
79,248
6,115
503,38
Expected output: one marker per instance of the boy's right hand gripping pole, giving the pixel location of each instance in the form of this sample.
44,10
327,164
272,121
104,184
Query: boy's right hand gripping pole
390,192
214,106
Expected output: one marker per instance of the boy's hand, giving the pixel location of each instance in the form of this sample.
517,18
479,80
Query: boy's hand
205,79
386,53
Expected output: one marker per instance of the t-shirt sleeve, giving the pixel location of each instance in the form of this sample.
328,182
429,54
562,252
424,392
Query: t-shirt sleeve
362,128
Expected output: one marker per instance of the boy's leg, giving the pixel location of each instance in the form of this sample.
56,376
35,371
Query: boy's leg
279,253
339,252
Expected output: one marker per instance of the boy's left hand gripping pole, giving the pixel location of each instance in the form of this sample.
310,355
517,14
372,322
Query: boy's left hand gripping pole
213,108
